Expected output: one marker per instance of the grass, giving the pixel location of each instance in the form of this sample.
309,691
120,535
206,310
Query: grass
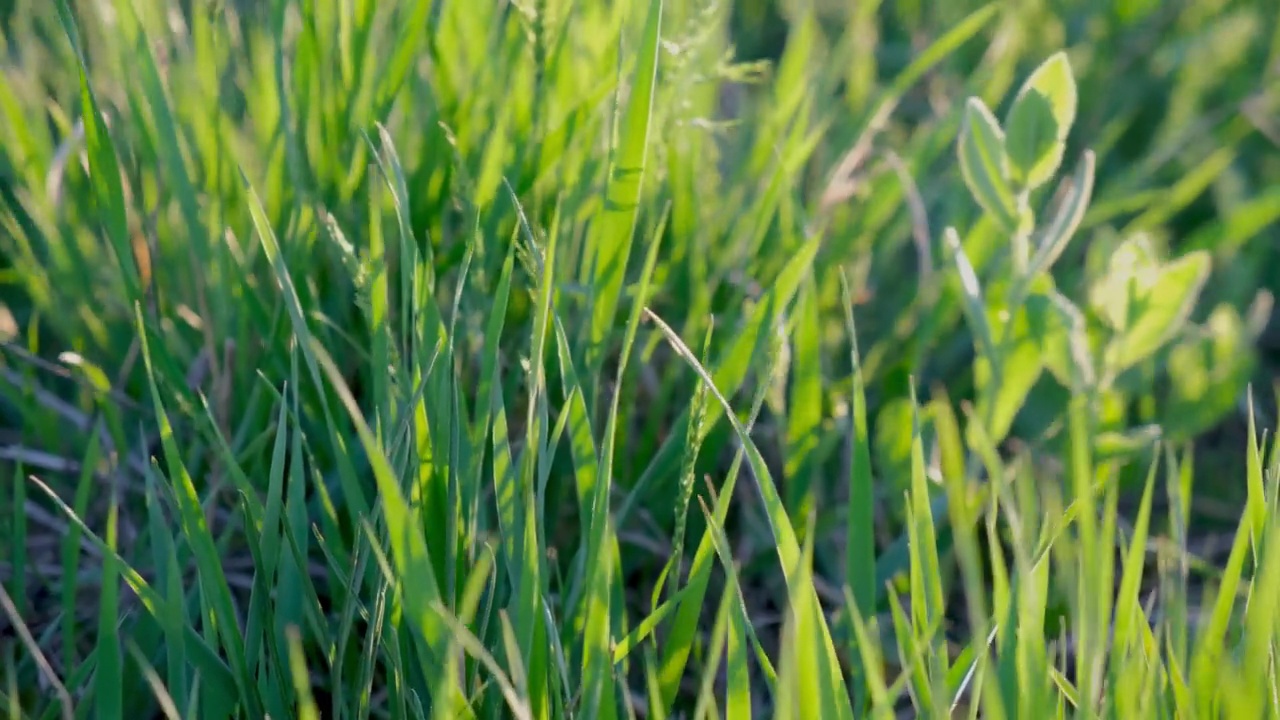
631,360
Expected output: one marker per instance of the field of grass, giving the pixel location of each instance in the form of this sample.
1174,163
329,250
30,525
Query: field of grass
639,359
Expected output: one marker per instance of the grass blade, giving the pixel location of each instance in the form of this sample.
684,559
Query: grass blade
785,536
612,240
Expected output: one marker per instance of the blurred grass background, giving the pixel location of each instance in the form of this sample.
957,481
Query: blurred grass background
758,111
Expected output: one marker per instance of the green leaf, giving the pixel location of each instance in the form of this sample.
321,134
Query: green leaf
1109,295
602,549
1003,381
1212,369
972,291
1128,604
1062,333
307,709
985,165
1039,121
1156,308
804,404
1067,219
928,601
738,689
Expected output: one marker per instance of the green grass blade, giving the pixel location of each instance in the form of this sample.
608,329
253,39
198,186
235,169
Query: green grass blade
404,521
611,243
683,633
215,672
601,548
787,546
194,526
1128,610
804,404
167,705
70,543
733,367
860,544
104,167
307,709
108,683
173,620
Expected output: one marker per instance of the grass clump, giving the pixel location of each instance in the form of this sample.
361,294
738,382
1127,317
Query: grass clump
619,360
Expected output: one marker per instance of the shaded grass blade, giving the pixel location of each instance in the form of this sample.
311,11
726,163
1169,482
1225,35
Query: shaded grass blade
788,548
213,581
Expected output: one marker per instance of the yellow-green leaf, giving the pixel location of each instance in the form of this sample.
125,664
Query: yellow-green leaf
1038,122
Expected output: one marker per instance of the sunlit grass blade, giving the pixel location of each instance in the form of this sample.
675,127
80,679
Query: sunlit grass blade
1243,684
1128,609
869,653
705,706
1257,502
264,652
274,507
518,706
610,246
522,502
1260,623
625,645
104,167
299,676
582,447
506,493
297,596
911,654
601,550
410,553
739,632
488,374
928,602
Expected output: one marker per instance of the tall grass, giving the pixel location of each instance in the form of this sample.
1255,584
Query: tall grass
552,359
